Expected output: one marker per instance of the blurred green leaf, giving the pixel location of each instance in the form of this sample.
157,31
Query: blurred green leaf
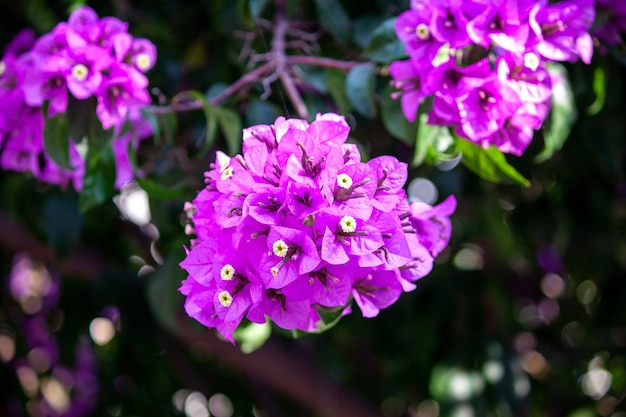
251,10
157,190
334,19
599,87
360,84
562,116
384,46
430,142
162,291
56,138
261,112
62,222
252,336
489,164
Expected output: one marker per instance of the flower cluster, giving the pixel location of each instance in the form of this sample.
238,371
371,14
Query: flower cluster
83,58
298,224
54,389
483,63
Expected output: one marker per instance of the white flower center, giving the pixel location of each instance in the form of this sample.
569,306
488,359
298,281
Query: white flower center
143,62
227,272
274,271
344,181
227,173
348,224
225,298
80,72
531,61
280,248
422,31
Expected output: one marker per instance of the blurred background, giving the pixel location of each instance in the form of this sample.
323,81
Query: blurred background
523,315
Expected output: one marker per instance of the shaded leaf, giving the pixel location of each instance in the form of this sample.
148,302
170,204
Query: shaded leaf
489,164
62,222
99,179
162,292
261,112
336,82
384,46
56,138
334,19
360,84
395,122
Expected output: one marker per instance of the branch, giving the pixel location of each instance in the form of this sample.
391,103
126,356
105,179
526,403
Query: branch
317,61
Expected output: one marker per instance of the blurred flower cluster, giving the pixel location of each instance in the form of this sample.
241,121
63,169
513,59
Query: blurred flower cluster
613,15
298,227
52,387
484,63
86,57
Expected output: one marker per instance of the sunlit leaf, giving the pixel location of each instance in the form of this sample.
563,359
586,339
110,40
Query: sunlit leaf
562,116
252,336
489,164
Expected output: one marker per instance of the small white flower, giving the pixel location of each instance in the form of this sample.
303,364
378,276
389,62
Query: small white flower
143,62
274,271
531,61
227,272
280,248
80,72
348,224
227,173
225,298
422,31
344,181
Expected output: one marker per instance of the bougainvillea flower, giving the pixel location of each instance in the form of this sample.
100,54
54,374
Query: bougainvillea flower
298,223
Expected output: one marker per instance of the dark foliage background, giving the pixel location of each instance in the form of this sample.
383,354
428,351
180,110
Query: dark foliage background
522,310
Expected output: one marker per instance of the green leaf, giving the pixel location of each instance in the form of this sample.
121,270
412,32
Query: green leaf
56,138
336,82
334,19
99,179
360,84
252,336
562,116
169,124
489,164
228,121
156,190
81,114
384,45
251,10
